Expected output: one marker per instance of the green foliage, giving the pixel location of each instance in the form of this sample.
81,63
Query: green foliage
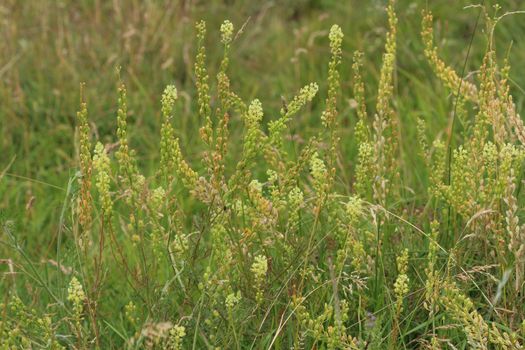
254,237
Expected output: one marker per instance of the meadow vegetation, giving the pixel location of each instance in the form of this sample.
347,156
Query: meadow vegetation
371,199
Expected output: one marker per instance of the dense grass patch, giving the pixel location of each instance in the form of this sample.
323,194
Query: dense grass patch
368,199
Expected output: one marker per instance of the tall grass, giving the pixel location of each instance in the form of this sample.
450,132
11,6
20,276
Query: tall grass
260,238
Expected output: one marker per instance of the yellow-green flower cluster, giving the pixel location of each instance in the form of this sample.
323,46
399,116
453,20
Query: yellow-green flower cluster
432,288
479,177
101,164
319,173
130,310
226,32
318,169
123,154
168,143
463,181
295,202
437,172
329,115
516,232
76,296
385,82
351,239
296,197
232,299
445,73
334,335
255,113
179,244
422,140
462,309
434,158
306,94
509,158
385,128
262,212
354,209
157,198
253,137
359,96
365,167
203,89
277,127
176,336
256,186
259,269
186,173
336,39
22,327
227,98
84,207
316,325
169,97
401,284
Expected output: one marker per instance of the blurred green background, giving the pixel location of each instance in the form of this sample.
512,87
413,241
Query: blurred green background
48,47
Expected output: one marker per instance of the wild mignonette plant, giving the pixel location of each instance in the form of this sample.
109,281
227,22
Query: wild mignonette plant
256,243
